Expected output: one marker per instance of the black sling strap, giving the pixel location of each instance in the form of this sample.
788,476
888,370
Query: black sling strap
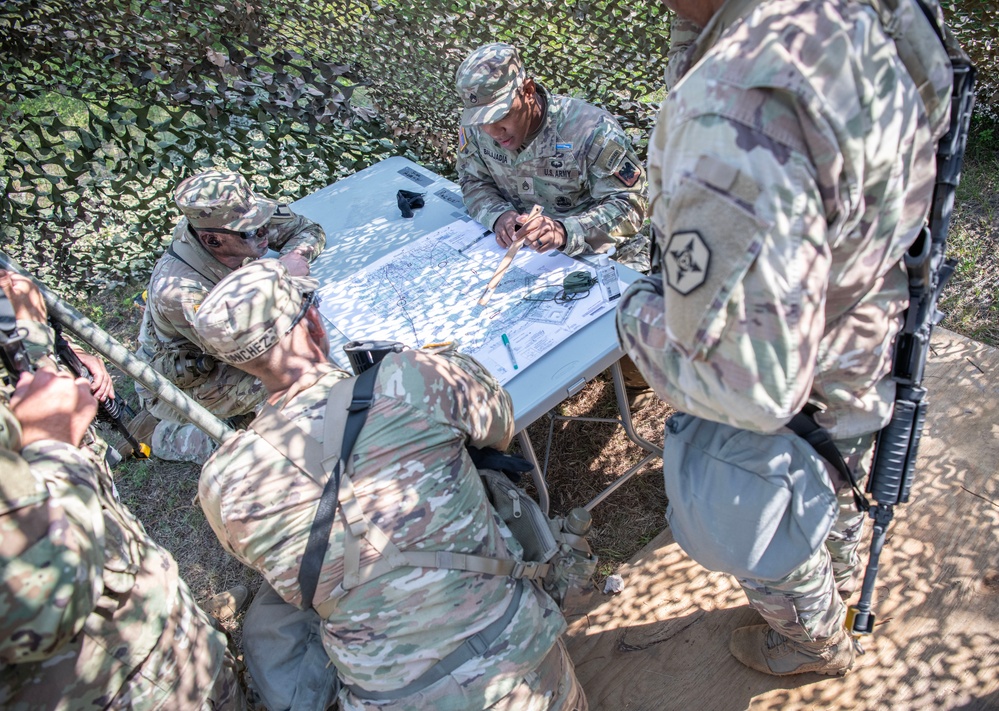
804,425
322,525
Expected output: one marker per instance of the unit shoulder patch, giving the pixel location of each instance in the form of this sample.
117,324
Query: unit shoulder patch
686,259
628,173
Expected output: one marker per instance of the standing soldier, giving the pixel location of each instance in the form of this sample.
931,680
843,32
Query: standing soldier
790,170
94,614
225,226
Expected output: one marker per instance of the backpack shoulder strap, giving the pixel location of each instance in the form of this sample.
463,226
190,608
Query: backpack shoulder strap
322,524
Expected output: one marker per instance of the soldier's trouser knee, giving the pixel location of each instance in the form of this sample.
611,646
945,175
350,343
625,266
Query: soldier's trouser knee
181,442
804,605
552,686
284,654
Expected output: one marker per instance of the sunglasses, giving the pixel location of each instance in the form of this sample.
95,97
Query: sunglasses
248,235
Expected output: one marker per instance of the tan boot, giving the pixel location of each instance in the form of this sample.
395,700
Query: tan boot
228,604
764,649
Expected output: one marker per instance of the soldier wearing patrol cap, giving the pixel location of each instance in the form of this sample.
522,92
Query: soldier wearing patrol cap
520,146
400,635
225,225
790,171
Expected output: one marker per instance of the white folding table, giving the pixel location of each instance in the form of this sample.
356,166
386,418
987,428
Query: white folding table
363,222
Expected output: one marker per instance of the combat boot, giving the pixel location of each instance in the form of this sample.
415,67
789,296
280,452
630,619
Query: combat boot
764,649
228,604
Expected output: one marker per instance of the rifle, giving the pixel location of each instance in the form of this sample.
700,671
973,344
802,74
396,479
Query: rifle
110,410
114,352
928,269
13,355
16,360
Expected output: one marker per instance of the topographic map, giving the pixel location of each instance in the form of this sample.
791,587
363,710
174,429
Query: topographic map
428,291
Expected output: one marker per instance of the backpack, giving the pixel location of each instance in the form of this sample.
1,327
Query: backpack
556,554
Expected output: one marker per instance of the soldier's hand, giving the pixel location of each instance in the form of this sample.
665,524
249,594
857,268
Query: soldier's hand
297,264
101,386
53,405
543,234
505,228
24,296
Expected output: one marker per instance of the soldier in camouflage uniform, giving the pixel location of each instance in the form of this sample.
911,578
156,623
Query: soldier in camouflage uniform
789,171
93,612
225,225
520,146
412,477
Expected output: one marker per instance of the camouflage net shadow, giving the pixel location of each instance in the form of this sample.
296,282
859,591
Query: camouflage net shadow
107,105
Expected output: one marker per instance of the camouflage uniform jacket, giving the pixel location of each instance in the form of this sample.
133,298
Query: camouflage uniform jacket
580,168
683,34
414,480
176,289
785,189
93,611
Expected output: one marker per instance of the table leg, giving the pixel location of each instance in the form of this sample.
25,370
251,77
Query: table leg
527,449
621,392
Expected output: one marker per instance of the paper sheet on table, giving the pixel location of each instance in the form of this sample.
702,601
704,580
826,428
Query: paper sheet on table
428,291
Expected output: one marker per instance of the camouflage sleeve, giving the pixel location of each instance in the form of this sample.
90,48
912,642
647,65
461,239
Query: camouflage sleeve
51,550
210,490
484,201
734,335
290,232
459,392
617,184
682,34
177,302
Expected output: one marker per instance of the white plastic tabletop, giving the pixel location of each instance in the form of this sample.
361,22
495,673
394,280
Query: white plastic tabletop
363,222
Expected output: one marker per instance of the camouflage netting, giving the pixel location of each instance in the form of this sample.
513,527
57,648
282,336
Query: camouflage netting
107,105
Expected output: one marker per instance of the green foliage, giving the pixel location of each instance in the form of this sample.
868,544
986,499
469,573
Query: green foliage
105,105
976,25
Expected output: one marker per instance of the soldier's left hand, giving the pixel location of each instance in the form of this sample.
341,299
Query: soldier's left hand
543,234
297,264
101,386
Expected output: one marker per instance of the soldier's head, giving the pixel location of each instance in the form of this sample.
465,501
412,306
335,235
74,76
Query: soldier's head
225,214
260,319
497,95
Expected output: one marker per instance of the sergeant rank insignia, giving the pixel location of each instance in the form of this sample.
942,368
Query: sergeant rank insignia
628,173
686,260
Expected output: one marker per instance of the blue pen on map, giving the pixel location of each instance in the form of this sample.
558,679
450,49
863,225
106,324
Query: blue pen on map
509,349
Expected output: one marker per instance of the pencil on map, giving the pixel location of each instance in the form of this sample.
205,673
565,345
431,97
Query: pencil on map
511,252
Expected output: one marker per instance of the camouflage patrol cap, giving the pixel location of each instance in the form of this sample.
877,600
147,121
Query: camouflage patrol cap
250,310
221,200
488,80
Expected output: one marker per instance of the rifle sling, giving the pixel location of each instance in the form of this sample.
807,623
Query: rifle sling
804,425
